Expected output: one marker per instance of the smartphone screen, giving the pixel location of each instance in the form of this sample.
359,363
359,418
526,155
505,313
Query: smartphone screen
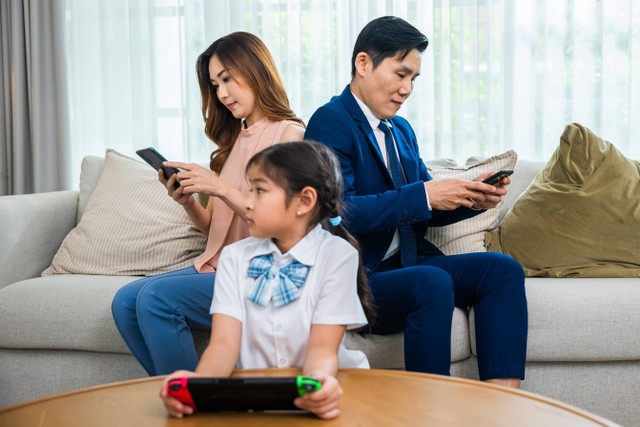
498,176
155,159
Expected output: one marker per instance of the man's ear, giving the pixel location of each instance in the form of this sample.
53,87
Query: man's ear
362,61
307,199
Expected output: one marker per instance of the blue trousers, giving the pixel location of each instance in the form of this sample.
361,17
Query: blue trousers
419,301
155,316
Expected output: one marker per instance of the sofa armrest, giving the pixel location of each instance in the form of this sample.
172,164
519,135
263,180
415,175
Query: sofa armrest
32,229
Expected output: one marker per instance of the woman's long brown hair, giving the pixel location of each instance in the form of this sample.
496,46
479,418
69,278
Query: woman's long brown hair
243,55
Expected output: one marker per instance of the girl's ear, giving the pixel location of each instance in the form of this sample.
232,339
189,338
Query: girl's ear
307,199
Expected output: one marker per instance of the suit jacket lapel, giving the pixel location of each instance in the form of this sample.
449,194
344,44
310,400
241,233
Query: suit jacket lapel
363,124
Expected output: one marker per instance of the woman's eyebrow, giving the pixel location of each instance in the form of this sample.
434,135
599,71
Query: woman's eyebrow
218,75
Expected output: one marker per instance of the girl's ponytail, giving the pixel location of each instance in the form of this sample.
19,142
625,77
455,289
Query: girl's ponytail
335,226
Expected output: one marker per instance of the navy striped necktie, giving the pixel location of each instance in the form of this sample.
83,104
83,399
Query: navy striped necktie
408,245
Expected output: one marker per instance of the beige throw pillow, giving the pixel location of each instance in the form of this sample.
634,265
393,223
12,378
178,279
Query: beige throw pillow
468,235
580,217
130,226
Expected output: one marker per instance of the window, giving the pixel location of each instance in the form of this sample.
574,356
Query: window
498,74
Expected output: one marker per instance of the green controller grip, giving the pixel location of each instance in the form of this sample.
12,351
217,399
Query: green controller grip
307,384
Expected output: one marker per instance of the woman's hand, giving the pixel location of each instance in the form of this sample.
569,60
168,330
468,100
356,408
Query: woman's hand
175,408
325,403
176,194
197,179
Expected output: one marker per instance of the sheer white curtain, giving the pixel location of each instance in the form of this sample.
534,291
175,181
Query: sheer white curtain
498,74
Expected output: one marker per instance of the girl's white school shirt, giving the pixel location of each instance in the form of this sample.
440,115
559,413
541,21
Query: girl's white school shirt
277,336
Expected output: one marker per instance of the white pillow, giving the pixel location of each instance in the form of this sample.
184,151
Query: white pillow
130,226
468,235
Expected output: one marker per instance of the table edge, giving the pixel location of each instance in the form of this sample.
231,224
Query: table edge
346,371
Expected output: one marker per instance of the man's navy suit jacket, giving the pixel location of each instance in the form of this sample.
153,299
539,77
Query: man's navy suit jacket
374,207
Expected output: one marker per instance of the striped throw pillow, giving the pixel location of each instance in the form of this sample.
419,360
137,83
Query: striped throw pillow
130,226
468,235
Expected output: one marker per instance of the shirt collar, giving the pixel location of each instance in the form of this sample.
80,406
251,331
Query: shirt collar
305,251
368,114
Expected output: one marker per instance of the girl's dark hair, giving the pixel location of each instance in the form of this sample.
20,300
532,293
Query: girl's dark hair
386,37
296,165
243,55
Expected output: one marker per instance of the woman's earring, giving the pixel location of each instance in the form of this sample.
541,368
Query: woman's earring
299,213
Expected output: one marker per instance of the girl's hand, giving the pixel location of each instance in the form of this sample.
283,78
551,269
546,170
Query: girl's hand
176,194
175,408
325,403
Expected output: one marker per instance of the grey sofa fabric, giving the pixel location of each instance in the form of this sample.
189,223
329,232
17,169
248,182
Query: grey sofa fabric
371,344
32,228
608,388
74,317
31,373
591,319
580,335
58,334
89,176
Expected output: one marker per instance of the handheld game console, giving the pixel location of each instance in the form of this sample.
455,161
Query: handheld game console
242,394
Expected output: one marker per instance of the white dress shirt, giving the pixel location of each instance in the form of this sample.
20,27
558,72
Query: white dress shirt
379,135
278,336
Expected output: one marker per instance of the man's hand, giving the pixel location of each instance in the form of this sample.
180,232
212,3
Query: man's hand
493,198
450,194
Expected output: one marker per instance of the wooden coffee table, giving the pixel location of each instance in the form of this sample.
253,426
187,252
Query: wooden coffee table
371,398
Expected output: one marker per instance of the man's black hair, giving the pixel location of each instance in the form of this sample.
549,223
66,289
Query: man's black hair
385,37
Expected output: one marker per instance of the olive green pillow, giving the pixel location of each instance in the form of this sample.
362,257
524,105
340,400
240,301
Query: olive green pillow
580,217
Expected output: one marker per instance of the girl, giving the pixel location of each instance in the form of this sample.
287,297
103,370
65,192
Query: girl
245,109
285,296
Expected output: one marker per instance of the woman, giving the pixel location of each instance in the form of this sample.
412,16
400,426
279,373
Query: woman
245,109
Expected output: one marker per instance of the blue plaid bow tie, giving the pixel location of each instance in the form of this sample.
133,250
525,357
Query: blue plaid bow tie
280,285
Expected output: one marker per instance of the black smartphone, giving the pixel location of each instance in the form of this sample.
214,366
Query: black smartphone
155,159
241,394
497,177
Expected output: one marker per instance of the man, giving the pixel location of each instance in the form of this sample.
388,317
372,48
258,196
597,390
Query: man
391,200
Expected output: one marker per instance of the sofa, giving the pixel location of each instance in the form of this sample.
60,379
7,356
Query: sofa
58,333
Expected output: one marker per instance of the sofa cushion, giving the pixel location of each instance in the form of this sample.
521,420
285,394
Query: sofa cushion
386,351
580,216
64,311
130,226
468,235
90,171
73,312
581,319
523,173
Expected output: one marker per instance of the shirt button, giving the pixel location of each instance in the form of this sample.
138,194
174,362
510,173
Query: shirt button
278,327
283,360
